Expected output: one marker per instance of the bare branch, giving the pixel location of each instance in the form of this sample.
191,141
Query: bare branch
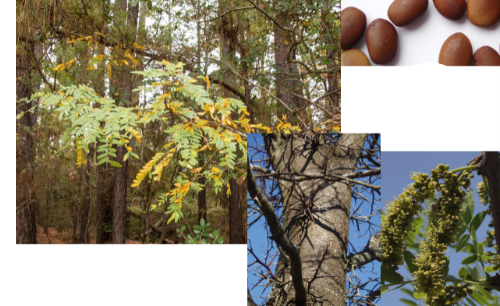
278,235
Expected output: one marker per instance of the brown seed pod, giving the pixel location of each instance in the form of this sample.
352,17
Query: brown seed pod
352,27
486,56
483,13
354,57
403,12
382,41
456,51
451,9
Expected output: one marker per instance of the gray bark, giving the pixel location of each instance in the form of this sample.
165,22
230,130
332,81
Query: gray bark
323,240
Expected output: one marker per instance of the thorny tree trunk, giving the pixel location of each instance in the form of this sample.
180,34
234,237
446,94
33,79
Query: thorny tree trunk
330,230
237,211
288,84
25,154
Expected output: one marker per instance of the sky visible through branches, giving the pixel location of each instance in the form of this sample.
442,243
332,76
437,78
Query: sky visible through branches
258,234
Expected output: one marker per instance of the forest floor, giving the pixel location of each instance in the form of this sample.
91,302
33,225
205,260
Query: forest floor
66,237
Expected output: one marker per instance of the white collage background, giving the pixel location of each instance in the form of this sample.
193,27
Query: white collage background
423,108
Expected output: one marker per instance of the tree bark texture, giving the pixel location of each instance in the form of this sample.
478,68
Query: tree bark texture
322,243
288,84
25,153
237,211
85,207
105,195
124,83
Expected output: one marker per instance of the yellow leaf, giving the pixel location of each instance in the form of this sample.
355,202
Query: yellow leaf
203,148
228,189
185,188
109,70
215,170
197,170
90,67
135,134
59,68
207,80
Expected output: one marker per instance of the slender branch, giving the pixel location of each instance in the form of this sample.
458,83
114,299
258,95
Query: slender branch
370,253
270,18
278,235
298,177
229,12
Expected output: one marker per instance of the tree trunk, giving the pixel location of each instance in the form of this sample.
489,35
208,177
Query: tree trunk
333,89
105,197
287,79
237,211
228,36
85,208
120,200
329,232
25,153
124,83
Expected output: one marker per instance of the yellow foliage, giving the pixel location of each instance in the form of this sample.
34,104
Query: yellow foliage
146,169
80,158
135,134
197,170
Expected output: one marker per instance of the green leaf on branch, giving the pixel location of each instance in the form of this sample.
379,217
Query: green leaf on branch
391,276
469,259
468,207
462,242
409,257
408,302
462,273
419,295
478,219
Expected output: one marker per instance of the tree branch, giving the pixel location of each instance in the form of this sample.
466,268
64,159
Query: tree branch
370,253
298,177
278,235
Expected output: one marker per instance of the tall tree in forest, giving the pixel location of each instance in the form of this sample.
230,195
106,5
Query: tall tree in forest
288,84
237,216
304,191
25,153
126,22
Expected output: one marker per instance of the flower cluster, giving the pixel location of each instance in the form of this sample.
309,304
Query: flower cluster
483,195
449,295
431,263
495,261
445,214
396,222
443,228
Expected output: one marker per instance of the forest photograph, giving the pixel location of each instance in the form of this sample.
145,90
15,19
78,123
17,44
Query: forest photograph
440,228
314,219
132,115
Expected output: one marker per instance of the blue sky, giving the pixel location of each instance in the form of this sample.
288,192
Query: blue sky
396,169
258,237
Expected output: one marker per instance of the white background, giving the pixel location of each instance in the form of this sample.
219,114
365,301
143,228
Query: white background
415,108
421,41
424,108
